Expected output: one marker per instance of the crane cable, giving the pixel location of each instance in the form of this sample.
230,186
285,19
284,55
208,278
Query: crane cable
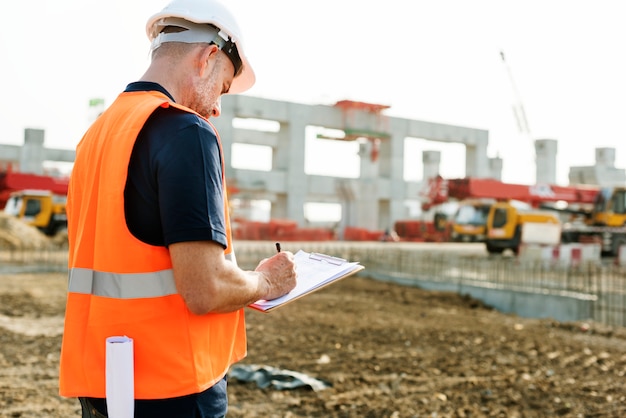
518,106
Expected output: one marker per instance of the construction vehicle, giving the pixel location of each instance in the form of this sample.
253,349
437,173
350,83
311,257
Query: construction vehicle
440,190
469,223
588,214
507,221
14,181
512,207
604,223
40,208
609,207
38,200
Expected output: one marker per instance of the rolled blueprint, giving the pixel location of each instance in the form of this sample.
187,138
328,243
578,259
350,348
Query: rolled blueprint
120,377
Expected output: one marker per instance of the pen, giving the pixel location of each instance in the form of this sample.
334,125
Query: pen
278,246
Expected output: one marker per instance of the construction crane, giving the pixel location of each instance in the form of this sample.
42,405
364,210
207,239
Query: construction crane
518,106
543,173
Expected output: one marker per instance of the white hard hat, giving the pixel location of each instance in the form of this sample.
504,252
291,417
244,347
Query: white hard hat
206,21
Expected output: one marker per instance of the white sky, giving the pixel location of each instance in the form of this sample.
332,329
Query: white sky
429,60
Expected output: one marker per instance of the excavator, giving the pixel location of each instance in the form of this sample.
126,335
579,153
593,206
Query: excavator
40,208
38,200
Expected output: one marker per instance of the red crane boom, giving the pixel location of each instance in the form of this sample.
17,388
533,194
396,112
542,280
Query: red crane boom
441,190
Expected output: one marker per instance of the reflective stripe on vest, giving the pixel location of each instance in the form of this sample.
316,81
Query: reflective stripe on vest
123,286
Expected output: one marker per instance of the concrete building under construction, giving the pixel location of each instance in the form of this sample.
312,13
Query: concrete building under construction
374,200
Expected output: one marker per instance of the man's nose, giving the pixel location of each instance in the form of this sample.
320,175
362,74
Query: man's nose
217,108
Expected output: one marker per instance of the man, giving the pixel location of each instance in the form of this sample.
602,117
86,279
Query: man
151,255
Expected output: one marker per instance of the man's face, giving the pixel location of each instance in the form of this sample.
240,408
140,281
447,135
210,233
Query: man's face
215,82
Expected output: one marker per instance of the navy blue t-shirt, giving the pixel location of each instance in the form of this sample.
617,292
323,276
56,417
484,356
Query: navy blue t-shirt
174,187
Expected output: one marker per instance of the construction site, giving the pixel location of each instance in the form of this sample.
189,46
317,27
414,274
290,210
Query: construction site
375,205
498,299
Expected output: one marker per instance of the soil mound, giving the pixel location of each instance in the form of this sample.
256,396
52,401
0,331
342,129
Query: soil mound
17,235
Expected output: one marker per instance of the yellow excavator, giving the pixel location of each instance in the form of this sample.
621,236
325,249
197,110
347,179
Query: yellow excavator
40,208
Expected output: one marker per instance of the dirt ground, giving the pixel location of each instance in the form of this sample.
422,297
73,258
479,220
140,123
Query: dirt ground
388,351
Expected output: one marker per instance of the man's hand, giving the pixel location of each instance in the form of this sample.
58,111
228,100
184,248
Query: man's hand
208,282
279,274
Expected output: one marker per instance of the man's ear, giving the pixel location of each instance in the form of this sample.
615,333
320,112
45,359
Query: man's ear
206,56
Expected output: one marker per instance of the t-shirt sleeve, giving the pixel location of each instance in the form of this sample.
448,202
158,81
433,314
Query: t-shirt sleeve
190,192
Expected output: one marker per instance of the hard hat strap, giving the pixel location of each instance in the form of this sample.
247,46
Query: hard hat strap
198,33
230,49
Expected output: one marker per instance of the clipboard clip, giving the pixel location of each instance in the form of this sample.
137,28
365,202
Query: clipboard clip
327,258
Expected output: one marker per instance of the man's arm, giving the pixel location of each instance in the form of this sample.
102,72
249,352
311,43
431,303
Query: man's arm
208,282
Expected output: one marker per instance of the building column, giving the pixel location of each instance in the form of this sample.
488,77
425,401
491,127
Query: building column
289,157
392,159
476,160
495,168
226,131
366,197
32,154
431,161
545,161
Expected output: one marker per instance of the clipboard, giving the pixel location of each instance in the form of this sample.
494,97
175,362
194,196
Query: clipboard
315,271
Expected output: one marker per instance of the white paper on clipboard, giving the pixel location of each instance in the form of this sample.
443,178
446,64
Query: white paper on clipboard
314,271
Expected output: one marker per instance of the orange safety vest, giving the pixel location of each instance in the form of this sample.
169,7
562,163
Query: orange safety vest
119,285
